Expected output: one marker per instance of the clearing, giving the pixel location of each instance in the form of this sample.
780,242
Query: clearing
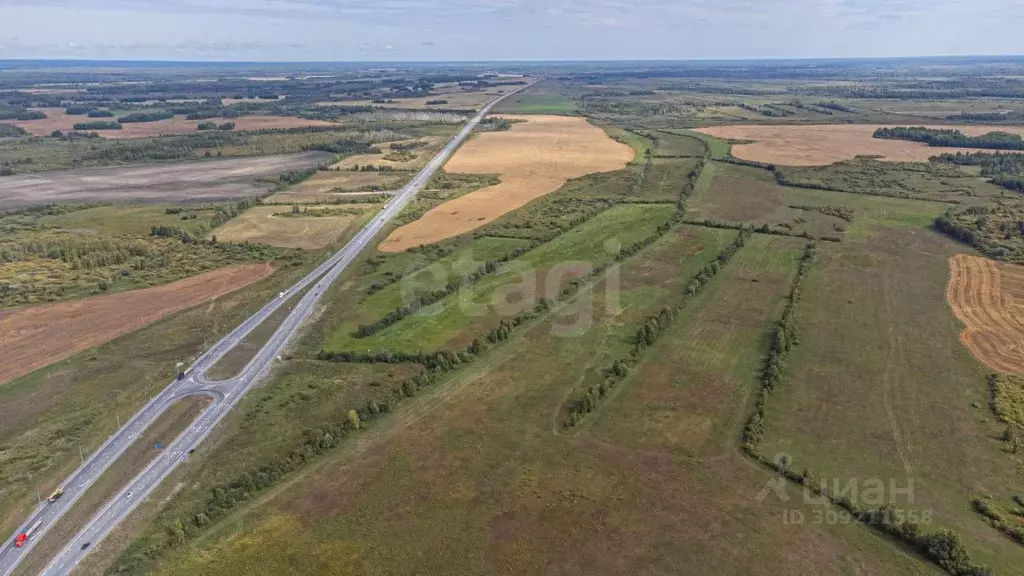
988,297
534,158
58,119
34,337
276,226
812,145
207,180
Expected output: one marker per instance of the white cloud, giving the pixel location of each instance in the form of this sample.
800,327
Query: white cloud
507,29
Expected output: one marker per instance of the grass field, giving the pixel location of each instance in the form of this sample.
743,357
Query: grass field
471,478
751,195
690,396
716,148
680,144
274,226
539,274
880,386
530,102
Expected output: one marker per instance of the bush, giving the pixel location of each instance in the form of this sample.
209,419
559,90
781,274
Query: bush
12,131
97,126
136,117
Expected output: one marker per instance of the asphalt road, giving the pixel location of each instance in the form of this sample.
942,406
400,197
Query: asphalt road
225,393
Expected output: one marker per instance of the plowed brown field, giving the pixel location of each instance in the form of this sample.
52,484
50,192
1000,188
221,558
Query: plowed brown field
813,145
988,297
57,119
533,158
37,336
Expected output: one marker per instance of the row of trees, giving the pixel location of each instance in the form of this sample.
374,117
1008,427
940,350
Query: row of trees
485,269
85,126
647,334
783,339
215,126
135,117
947,138
841,212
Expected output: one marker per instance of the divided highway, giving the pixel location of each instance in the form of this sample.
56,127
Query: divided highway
225,394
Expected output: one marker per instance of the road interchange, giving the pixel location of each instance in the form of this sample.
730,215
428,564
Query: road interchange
224,394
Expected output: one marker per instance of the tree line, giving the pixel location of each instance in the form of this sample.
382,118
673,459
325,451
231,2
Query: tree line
647,334
215,126
136,117
943,547
784,338
946,138
99,125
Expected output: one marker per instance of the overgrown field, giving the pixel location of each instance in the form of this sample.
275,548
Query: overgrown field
52,253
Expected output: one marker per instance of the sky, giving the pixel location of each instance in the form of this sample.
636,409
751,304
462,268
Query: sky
437,30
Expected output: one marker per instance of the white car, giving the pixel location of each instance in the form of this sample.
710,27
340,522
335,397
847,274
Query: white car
128,496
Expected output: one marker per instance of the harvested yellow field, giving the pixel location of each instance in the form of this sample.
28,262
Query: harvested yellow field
271,225
988,297
533,158
813,145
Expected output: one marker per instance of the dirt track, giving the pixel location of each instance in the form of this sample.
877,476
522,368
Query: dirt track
988,297
213,179
38,336
813,145
533,158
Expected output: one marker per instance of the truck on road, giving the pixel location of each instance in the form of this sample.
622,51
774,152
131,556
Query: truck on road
24,536
56,495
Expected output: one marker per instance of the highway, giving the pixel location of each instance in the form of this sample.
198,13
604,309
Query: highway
225,394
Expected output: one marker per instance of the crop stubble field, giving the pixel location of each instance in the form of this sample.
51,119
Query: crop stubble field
988,297
534,157
811,145
274,225
33,337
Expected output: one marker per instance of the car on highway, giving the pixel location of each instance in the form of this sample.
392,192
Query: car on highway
128,496
86,545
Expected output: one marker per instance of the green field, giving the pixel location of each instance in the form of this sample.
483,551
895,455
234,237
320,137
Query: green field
536,103
541,273
880,387
751,195
477,468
